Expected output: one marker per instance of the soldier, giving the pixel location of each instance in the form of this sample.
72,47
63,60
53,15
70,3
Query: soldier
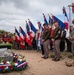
72,39
62,42
45,40
57,38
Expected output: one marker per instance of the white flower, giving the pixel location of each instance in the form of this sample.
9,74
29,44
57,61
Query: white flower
6,67
16,64
20,60
8,62
1,63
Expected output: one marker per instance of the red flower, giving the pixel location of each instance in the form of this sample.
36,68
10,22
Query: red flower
11,67
2,67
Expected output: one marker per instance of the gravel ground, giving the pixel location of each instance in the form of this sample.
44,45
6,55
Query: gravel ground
40,66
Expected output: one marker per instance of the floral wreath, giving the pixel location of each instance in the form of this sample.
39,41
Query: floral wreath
18,63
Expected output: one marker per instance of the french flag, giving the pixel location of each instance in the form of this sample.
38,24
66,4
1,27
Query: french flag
40,26
17,35
72,7
28,37
64,12
22,33
50,20
32,29
66,22
45,20
61,24
32,26
67,29
39,33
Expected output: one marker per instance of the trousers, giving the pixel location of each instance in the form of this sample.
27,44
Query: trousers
46,49
57,48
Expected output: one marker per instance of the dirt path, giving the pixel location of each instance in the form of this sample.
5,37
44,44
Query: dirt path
39,66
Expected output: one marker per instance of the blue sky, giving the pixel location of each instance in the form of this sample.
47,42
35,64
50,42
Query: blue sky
13,13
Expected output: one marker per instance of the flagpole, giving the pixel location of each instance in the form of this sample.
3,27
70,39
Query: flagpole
64,13
70,19
64,18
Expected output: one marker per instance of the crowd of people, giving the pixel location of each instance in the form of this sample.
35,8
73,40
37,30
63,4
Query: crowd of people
5,38
54,38
50,37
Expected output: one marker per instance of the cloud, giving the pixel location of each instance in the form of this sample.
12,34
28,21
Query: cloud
15,12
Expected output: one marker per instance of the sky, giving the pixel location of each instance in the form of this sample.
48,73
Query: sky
14,13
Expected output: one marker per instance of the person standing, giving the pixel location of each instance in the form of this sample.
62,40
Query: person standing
57,38
45,40
40,28
72,39
67,37
62,42
34,43
37,37
22,45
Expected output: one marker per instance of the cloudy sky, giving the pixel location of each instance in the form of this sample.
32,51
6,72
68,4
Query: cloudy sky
13,13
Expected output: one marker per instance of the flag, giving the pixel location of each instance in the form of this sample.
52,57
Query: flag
50,20
61,24
28,37
32,26
22,34
32,29
66,25
39,34
66,22
72,7
67,29
40,26
22,31
17,35
45,20
65,13
40,30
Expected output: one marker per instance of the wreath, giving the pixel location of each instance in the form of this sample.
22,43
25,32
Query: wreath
18,63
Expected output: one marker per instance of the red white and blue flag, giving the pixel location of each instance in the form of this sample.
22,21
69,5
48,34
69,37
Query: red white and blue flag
72,7
65,14
61,24
66,22
17,35
40,26
50,20
22,33
45,20
32,30
32,26
28,37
